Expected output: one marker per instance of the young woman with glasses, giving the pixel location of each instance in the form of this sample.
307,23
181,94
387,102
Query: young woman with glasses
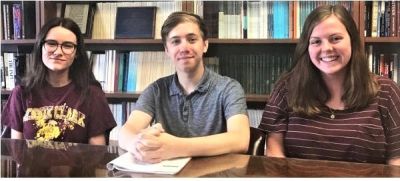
59,98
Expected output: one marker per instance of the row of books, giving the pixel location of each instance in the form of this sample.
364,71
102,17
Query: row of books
122,110
134,71
130,72
382,19
384,63
16,22
12,68
121,113
224,19
259,19
257,73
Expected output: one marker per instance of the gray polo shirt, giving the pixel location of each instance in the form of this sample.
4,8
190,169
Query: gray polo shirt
203,112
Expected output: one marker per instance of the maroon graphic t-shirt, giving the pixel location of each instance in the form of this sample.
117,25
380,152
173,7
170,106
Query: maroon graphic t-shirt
58,114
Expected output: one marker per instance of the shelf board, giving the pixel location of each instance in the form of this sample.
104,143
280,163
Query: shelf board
18,42
252,41
5,92
255,98
123,95
382,40
123,41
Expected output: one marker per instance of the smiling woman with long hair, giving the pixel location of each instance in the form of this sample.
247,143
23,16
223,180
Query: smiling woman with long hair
329,105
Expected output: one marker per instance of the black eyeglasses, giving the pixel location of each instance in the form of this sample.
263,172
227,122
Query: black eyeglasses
66,47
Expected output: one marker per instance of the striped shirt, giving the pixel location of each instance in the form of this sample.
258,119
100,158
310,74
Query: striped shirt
368,135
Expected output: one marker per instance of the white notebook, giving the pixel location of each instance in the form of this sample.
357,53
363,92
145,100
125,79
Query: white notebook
126,162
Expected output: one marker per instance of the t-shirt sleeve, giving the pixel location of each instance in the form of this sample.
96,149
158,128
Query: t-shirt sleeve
275,115
234,99
101,118
14,110
146,100
392,118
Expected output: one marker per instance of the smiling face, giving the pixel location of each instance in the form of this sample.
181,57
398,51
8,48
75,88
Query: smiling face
330,47
185,46
58,61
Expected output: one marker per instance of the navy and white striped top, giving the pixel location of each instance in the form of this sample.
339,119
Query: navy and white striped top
369,135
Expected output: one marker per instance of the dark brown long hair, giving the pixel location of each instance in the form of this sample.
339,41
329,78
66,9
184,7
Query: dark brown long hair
307,92
80,71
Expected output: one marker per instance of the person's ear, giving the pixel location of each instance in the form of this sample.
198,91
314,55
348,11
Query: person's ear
205,46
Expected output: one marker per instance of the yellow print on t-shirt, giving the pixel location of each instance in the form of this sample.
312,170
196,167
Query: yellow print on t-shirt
53,121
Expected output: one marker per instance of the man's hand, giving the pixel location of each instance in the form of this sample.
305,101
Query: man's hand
147,142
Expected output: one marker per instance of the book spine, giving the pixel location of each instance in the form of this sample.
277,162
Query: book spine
245,19
7,9
398,18
10,79
393,16
2,72
17,20
368,17
374,21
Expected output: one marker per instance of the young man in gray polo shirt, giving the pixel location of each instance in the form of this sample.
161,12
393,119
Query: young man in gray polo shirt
194,112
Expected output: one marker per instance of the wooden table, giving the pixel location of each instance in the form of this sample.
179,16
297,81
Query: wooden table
22,158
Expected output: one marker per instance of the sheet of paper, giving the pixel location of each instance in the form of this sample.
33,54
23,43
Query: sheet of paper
126,162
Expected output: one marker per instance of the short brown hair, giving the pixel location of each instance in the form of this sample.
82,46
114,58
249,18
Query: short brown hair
180,17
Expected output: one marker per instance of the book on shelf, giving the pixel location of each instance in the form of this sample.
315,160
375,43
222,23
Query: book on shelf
210,16
2,72
396,67
382,18
142,18
13,68
121,113
134,70
8,27
17,20
28,28
126,162
367,18
280,19
393,18
9,70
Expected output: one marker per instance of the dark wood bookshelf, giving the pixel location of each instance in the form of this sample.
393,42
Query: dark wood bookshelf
46,10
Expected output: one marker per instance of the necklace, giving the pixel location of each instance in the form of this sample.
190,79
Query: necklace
332,113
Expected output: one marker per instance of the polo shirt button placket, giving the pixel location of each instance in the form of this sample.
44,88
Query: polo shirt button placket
185,111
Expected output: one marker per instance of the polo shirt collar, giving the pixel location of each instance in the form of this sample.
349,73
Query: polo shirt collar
204,84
